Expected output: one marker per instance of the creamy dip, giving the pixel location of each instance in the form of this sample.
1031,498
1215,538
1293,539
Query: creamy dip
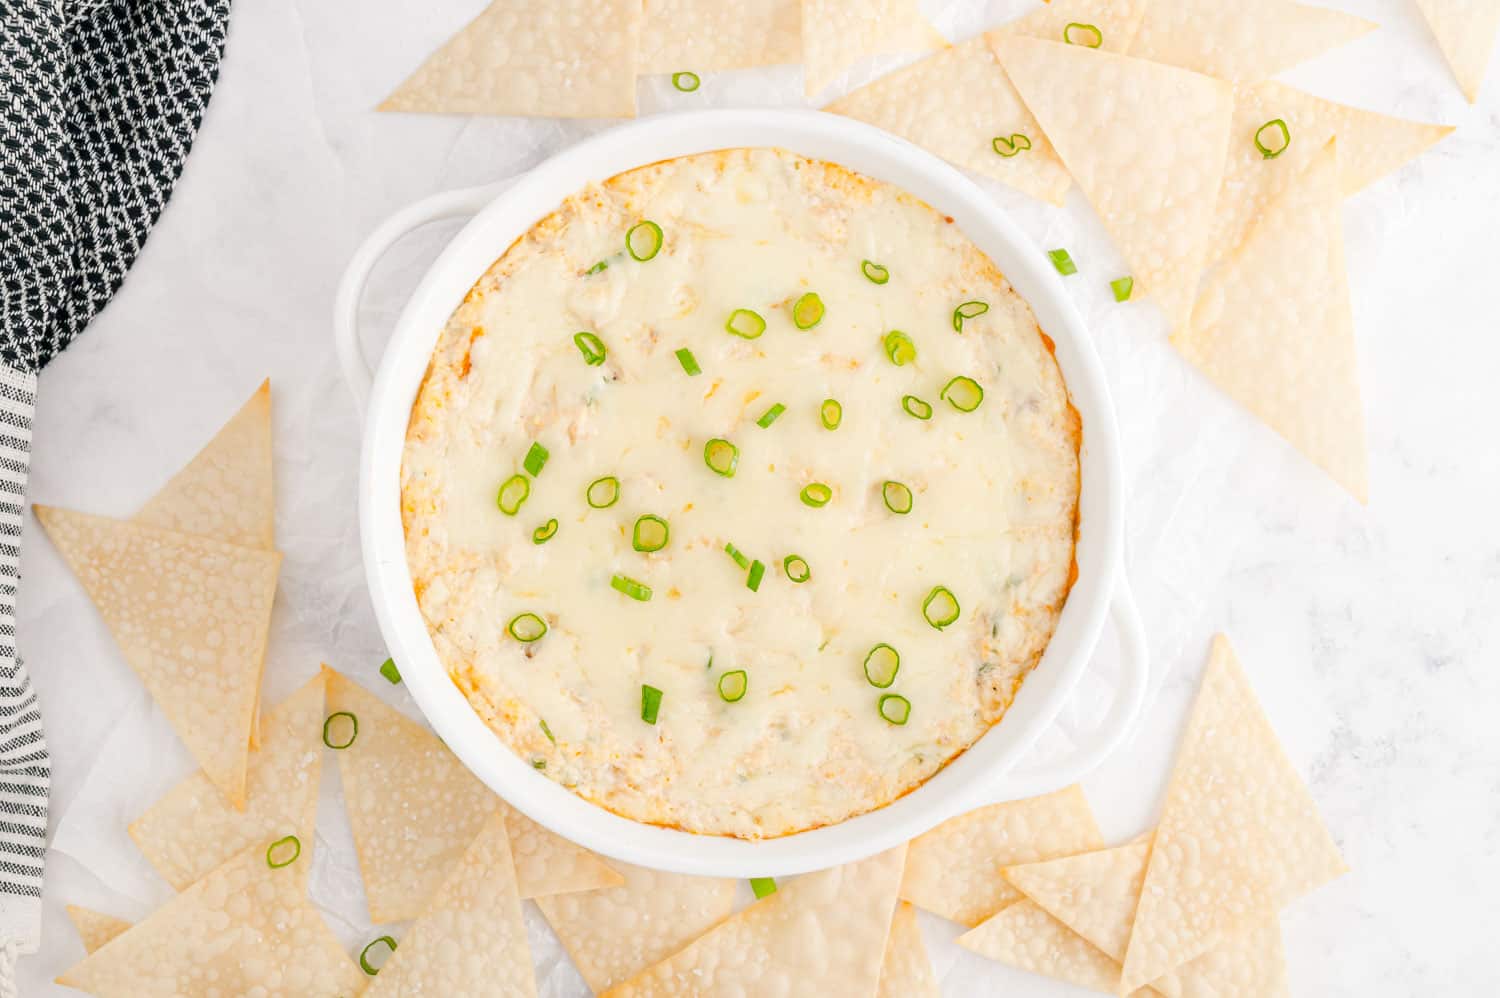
631,701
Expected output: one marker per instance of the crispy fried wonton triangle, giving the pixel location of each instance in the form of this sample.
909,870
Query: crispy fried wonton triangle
1023,935
1242,42
704,35
95,928
836,34
905,970
1465,31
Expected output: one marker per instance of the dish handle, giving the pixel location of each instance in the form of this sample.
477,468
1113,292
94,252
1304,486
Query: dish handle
359,374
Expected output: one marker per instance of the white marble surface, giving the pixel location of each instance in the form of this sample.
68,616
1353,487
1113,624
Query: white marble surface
1371,634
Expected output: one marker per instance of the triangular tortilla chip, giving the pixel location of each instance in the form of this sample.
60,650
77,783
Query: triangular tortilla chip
836,34
1242,42
820,934
469,939
1465,30
191,617
905,970
1274,330
1146,143
704,35
1370,146
616,933
562,59
231,932
1240,835
1023,935
396,776
953,870
190,830
1249,965
94,928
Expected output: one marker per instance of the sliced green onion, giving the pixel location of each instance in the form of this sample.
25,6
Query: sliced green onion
535,460
331,739
963,393
650,703
390,672
894,708
897,497
721,456
916,407
1062,261
1122,286
1008,147
538,763
770,415
526,627
1270,151
881,666
651,533
899,348
796,568
689,362
546,730
686,81
739,559
512,494
816,495
597,268
763,886
1087,35
602,493
968,310
757,572
544,533
364,954
745,323
592,348
874,272
831,412
643,241
808,311
638,591
732,686
276,852
940,608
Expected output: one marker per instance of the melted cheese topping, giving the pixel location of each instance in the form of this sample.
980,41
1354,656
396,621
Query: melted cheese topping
993,519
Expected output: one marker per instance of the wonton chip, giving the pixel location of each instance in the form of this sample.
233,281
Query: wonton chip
1274,330
1117,21
706,35
190,830
836,34
1146,143
1023,935
397,775
1465,30
230,933
905,971
1240,834
820,934
1242,42
954,870
469,939
95,928
191,616
562,59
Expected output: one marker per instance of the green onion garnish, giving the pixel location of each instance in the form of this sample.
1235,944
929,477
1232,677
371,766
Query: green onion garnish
689,362
916,407
686,81
512,494
638,591
603,493
745,324
1008,147
390,672
536,460
331,739
831,413
897,497
963,393
542,721
881,665
597,268
592,348
739,559
721,456
899,348
1122,286
538,763
544,533
816,495
808,311
276,852
763,886
1087,35
1272,151
651,533
364,954
526,627
757,572
894,708
940,608
770,415
643,241
874,272
968,310
732,685
1062,261
650,703
796,568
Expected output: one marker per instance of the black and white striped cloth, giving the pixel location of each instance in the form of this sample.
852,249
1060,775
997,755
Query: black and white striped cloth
99,104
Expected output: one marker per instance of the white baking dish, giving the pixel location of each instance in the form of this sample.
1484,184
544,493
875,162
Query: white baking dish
502,213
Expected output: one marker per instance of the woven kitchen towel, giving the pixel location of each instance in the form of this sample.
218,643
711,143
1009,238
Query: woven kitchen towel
99,103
